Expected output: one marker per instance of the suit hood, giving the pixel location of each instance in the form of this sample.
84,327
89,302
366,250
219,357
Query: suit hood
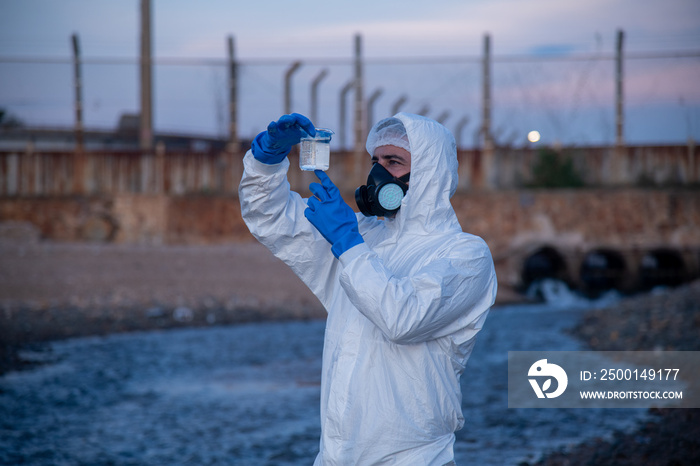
426,206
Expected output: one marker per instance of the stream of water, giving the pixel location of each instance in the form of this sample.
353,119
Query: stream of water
249,394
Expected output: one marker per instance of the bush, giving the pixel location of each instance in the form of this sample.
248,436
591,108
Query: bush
554,170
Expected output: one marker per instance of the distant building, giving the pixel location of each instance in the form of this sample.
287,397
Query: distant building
124,138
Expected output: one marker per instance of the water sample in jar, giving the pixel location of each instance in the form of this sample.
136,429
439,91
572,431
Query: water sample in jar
315,152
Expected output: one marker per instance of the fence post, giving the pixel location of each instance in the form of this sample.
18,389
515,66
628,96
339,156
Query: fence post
617,170
79,156
288,86
146,116
396,106
619,95
12,183
78,85
461,124
690,177
359,108
314,94
233,142
442,117
26,169
488,147
486,96
159,169
343,111
370,107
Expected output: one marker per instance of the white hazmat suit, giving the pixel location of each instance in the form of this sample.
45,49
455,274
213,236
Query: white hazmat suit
404,307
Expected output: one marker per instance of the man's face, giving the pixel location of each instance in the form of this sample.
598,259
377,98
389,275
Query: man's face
396,160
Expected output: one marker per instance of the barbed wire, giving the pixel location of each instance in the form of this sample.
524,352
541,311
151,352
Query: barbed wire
566,95
452,59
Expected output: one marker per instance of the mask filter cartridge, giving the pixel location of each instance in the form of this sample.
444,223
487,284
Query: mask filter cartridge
383,193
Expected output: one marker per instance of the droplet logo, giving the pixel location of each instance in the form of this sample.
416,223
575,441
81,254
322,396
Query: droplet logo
544,370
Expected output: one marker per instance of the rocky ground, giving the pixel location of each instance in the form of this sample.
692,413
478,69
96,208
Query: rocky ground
665,320
52,290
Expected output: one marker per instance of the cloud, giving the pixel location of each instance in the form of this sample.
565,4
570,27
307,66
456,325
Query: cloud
392,28
521,26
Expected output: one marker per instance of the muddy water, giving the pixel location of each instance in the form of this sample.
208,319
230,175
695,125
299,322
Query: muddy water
249,394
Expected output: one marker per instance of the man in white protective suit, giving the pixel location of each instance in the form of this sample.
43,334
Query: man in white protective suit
406,290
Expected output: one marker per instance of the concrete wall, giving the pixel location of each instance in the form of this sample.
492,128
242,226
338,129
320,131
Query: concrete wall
515,223
57,173
575,223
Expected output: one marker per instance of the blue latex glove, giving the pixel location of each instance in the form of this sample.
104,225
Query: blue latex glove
331,216
273,145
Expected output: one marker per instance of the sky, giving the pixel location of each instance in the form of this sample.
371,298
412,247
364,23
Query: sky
428,51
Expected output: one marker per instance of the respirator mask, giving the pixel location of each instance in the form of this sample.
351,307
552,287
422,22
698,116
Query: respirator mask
383,193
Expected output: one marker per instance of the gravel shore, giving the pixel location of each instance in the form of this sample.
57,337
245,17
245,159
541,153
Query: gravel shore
665,320
59,290
52,290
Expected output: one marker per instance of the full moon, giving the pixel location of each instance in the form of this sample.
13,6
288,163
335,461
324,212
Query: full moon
533,136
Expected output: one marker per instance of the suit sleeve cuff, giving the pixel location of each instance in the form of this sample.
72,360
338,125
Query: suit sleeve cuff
265,168
353,253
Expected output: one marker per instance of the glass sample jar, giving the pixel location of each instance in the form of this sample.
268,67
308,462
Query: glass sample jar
315,152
